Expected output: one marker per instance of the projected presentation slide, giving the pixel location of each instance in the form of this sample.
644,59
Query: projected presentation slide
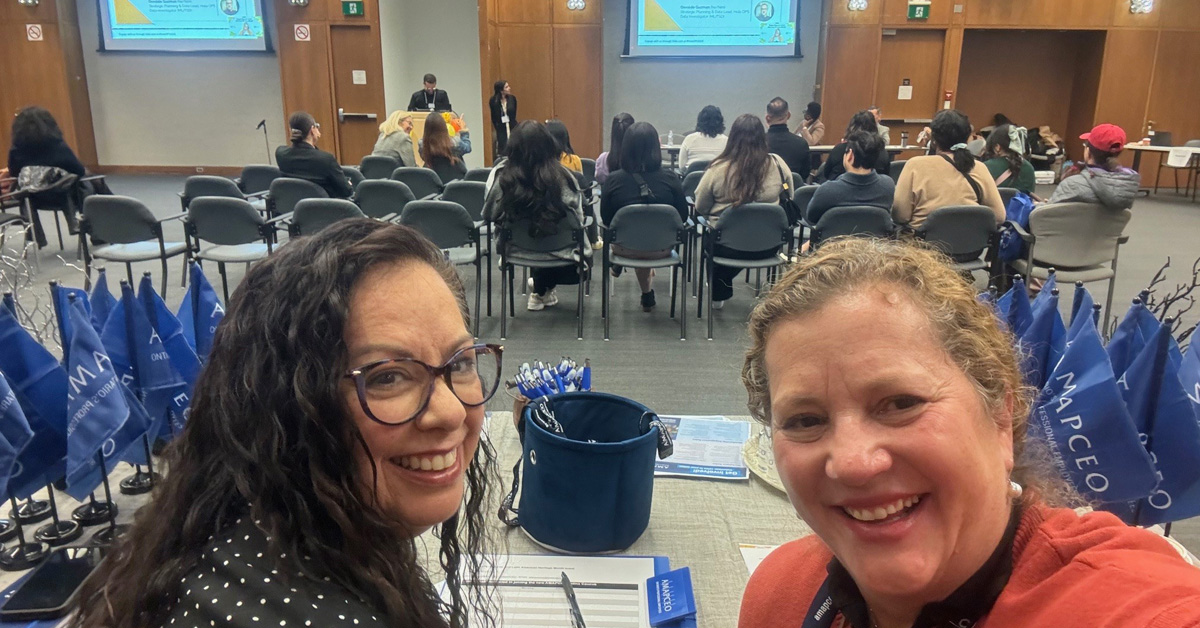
182,25
713,27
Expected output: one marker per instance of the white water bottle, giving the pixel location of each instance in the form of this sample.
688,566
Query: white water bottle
670,138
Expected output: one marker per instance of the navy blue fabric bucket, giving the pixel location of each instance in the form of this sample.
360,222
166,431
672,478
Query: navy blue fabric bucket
588,490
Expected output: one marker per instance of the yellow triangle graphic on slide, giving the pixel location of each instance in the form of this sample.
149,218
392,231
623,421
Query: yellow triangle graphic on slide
129,14
656,18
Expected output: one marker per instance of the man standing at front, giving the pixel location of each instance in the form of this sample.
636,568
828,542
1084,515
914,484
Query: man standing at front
431,98
791,147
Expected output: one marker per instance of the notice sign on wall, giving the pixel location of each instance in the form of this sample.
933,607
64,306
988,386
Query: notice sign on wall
303,32
33,32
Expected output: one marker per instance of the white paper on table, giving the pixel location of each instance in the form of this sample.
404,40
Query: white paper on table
611,590
905,93
1179,157
707,447
754,554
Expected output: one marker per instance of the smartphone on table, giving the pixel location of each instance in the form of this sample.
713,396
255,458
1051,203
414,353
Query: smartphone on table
50,589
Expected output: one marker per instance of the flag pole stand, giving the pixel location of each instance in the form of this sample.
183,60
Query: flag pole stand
109,534
58,532
94,513
30,512
141,481
8,530
24,555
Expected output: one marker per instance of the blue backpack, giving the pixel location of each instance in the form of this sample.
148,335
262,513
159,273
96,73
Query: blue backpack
1017,212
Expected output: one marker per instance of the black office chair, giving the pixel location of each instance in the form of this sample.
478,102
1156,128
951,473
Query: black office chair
382,199
257,178
354,175
963,232
749,227
207,185
378,166
424,183
854,220
482,174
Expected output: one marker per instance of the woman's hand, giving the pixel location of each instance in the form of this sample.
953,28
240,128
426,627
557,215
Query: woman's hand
519,403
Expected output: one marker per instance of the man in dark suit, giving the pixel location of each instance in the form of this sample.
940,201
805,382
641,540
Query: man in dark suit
431,98
791,147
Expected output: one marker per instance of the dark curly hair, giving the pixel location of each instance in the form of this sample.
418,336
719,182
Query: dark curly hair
34,126
532,181
710,121
269,436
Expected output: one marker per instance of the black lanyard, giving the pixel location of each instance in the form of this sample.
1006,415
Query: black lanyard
821,613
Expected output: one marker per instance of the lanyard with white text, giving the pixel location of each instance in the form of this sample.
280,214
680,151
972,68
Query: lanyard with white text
821,613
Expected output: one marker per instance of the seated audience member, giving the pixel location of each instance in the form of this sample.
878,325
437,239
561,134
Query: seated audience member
1101,178
566,154
503,108
899,418
531,185
430,98
1005,160
951,176
395,140
812,129
791,147
437,151
860,185
707,142
642,179
307,468
37,140
884,131
303,160
834,166
746,172
610,160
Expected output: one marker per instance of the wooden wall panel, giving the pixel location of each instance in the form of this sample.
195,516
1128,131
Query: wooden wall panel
526,63
1081,114
1125,81
839,13
915,55
1038,13
1173,92
316,11
523,11
304,74
591,13
1122,16
577,101
75,75
1184,14
1032,86
852,55
895,12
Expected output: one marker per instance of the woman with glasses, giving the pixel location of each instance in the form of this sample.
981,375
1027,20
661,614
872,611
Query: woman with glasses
303,160
339,417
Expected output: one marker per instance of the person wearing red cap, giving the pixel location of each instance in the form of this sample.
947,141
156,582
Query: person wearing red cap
1100,178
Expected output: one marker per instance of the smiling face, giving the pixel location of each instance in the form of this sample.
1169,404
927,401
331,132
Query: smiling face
407,310
885,447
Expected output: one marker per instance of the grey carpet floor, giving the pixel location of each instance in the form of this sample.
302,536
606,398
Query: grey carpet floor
645,360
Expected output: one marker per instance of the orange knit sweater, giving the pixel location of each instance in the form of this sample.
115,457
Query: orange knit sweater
1090,571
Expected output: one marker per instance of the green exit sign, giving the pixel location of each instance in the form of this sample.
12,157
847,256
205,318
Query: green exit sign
353,8
918,10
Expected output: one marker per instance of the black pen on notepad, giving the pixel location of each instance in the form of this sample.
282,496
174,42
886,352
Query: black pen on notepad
576,615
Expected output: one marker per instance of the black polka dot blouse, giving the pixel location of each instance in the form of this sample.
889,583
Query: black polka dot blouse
236,583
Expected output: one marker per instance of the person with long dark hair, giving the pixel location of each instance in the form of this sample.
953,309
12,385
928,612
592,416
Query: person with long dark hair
610,160
951,176
642,179
566,155
532,187
708,141
339,417
1100,178
503,108
1004,156
303,160
37,140
745,172
834,167
437,150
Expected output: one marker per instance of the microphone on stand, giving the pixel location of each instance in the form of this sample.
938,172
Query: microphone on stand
262,124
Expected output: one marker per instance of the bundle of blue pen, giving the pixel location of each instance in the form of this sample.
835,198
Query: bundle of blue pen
542,380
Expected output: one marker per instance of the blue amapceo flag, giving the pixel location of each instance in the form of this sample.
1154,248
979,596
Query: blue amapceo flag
183,358
1083,419
61,297
200,313
102,302
15,434
1131,336
1015,308
1166,420
40,385
105,418
1043,341
1081,302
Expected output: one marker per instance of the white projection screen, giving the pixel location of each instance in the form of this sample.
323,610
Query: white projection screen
182,25
712,28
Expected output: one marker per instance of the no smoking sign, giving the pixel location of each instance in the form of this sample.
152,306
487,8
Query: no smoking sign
303,32
33,32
